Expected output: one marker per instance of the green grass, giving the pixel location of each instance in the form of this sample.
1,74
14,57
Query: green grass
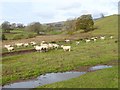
107,26
19,34
106,78
55,32
31,65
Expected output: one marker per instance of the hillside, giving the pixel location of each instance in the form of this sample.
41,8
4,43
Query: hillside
107,25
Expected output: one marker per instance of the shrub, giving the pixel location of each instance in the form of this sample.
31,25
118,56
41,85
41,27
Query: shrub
31,35
18,36
3,37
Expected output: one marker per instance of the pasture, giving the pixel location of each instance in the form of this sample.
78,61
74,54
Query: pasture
32,64
19,34
26,66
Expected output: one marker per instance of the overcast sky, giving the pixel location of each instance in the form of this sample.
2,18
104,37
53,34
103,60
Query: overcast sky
44,11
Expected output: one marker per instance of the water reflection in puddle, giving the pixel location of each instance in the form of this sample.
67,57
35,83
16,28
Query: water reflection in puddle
45,79
99,67
51,78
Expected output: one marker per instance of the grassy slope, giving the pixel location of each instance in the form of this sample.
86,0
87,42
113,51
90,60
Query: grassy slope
26,66
97,79
107,26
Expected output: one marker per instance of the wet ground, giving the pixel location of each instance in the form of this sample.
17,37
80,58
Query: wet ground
53,77
18,52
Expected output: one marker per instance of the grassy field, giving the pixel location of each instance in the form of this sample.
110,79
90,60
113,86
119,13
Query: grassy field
26,66
98,79
19,34
20,67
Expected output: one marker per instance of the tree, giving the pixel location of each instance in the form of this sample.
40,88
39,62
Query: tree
6,26
85,22
20,25
70,25
13,26
102,15
50,28
34,27
3,37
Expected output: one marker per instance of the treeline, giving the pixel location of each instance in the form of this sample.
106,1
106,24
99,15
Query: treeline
84,22
7,26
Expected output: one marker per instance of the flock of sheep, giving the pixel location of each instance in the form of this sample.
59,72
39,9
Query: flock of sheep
44,46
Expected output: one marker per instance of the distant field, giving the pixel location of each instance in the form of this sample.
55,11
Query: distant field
19,34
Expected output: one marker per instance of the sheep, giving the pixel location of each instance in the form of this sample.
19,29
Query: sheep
10,49
56,46
87,40
77,42
7,46
111,37
67,40
19,44
43,42
38,48
26,44
102,37
45,47
65,48
94,38
33,43
50,46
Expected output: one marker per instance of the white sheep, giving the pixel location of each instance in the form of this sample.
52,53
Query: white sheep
94,39
87,40
65,48
56,46
43,42
111,37
19,44
45,47
67,40
38,48
77,42
26,44
50,46
102,37
10,49
7,46
33,43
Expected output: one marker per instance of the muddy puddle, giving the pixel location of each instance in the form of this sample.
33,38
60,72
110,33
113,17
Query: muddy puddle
99,67
51,78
